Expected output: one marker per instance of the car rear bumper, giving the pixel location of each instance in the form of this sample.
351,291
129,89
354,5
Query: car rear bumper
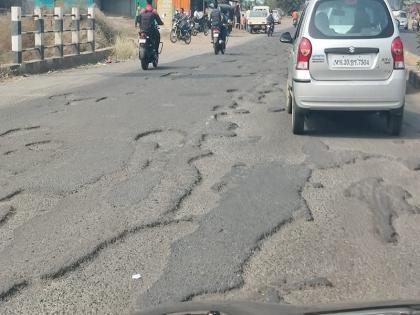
258,26
351,95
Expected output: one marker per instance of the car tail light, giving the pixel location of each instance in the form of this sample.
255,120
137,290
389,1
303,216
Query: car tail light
397,50
304,54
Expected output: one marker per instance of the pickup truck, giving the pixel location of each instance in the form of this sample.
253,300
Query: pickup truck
257,20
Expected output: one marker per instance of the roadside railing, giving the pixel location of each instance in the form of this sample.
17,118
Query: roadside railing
57,20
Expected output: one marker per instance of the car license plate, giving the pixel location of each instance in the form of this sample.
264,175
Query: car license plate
350,61
142,41
216,34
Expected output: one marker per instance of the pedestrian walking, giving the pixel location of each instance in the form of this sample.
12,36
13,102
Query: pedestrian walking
238,16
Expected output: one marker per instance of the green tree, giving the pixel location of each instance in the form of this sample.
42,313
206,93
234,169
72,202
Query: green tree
286,5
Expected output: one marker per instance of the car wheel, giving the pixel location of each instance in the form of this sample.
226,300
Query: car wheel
288,100
395,120
298,120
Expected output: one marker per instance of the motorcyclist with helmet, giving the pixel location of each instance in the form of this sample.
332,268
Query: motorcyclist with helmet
148,19
217,19
270,20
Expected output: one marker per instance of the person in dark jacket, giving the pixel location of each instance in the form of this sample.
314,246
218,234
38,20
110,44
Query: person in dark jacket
148,19
270,19
216,20
238,16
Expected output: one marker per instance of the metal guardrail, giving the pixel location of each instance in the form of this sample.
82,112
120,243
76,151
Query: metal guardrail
58,30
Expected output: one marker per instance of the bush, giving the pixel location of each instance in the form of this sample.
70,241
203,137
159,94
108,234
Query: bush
5,40
125,48
105,33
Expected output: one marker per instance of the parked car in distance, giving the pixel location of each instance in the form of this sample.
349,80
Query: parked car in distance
277,17
346,56
401,17
257,21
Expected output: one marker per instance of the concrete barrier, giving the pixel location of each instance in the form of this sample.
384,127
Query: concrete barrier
57,63
39,33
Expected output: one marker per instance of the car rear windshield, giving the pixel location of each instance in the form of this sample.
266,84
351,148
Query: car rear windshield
345,19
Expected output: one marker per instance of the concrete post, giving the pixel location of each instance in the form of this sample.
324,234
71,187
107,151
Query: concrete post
39,32
91,27
58,31
75,34
16,30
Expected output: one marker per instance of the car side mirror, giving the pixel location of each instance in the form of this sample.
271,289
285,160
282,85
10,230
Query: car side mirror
286,38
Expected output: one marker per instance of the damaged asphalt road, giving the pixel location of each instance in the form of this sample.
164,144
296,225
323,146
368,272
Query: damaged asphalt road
189,176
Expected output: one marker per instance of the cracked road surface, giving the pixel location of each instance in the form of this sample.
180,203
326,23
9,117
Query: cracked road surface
189,175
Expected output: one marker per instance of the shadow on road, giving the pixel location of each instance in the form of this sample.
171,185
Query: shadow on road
410,89
168,67
359,125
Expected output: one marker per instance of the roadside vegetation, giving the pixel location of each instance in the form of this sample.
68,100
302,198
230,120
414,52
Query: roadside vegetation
418,46
286,5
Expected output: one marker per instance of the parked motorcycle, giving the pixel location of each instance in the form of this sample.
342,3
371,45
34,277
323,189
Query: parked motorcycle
180,31
200,25
147,51
219,44
230,24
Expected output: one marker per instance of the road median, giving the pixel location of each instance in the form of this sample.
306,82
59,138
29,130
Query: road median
57,63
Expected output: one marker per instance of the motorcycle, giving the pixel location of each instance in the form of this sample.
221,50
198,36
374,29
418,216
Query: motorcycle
200,25
270,30
180,31
218,43
230,24
147,51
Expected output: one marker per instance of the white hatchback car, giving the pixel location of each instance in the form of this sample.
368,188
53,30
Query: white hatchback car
347,56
